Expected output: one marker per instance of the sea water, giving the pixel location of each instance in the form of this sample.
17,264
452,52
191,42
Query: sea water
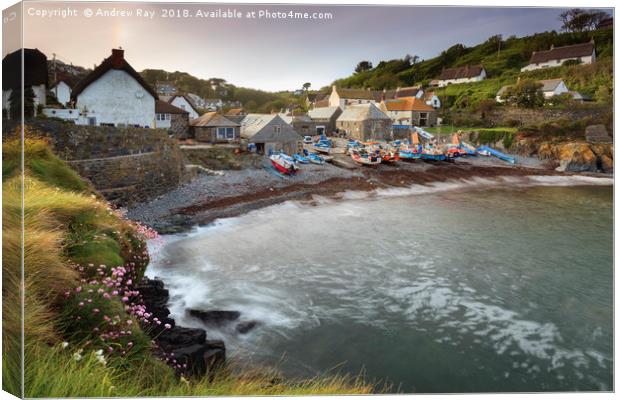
486,285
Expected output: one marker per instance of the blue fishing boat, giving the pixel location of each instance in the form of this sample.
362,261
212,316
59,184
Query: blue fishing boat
408,154
316,159
487,151
299,158
433,156
323,146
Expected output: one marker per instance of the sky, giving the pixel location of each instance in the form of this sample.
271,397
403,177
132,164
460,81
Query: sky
260,52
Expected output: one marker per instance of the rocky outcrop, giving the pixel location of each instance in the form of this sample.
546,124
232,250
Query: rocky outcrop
569,156
214,317
597,134
187,349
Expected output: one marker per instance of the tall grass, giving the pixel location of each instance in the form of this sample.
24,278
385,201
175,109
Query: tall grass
69,234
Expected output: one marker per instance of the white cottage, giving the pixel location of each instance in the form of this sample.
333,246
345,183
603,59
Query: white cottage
466,74
583,53
114,94
35,75
184,103
62,91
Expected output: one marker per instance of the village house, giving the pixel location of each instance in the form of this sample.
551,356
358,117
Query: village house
172,118
364,122
214,128
584,53
62,91
549,88
324,119
165,88
183,102
466,74
432,100
409,112
270,134
344,98
411,91
35,76
300,121
213,104
114,94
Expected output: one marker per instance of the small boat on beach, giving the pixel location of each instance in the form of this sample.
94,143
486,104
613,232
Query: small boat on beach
302,159
284,163
412,151
316,159
323,146
363,157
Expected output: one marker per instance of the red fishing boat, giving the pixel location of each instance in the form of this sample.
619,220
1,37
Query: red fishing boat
284,163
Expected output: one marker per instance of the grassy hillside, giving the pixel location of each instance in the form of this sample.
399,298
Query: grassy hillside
253,100
82,258
513,54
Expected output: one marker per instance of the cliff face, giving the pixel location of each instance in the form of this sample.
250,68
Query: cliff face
576,155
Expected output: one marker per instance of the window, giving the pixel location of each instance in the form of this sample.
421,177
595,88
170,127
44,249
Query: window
277,128
226,133
163,117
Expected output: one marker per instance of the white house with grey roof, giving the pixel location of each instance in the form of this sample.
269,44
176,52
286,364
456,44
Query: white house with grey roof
270,133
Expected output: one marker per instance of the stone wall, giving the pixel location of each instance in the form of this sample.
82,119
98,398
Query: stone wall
127,165
505,116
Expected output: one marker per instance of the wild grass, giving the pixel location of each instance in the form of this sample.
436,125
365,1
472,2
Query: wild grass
69,232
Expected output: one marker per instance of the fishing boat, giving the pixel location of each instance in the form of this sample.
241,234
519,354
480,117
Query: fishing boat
302,159
284,163
390,155
361,156
432,154
323,146
411,151
454,149
316,159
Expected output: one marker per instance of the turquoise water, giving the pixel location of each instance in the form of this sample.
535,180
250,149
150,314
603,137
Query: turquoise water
432,290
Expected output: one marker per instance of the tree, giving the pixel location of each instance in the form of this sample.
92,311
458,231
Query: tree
306,86
15,100
363,66
579,20
412,59
526,93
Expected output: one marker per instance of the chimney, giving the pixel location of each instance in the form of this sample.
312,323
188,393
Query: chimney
118,58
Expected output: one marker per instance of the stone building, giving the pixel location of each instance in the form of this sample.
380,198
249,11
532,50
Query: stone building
300,121
172,118
215,128
270,133
324,119
364,122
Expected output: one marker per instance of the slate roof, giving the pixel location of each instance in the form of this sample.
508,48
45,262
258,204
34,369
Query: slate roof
115,61
407,104
562,53
35,69
549,85
468,71
187,98
162,107
407,92
362,112
213,119
259,129
363,94
323,112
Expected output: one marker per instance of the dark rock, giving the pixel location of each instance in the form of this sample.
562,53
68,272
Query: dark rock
246,326
215,317
178,337
201,359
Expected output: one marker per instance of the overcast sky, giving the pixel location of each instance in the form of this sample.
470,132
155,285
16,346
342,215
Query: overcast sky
269,54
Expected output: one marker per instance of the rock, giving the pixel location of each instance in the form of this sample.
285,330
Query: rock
178,337
246,326
576,157
215,317
607,163
201,359
597,134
